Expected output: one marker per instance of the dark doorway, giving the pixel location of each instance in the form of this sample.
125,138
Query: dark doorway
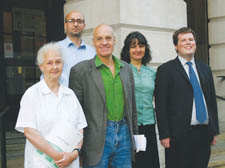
197,13
24,26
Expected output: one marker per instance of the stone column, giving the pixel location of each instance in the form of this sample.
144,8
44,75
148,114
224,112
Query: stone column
156,19
216,15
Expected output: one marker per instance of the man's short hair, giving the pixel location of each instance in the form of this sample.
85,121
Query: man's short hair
181,31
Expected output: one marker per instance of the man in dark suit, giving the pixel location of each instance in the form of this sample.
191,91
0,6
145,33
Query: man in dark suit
186,106
104,86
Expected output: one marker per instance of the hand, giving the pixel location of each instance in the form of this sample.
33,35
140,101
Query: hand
165,142
58,155
214,140
66,160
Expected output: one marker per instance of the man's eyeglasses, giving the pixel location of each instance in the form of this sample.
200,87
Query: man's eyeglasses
79,21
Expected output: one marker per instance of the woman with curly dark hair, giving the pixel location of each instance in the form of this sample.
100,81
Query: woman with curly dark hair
136,52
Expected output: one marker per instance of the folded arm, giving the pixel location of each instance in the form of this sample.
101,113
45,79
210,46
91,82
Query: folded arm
40,143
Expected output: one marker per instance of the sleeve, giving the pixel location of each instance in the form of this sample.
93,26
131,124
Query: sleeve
75,83
161,101
27,112
214,103
134,109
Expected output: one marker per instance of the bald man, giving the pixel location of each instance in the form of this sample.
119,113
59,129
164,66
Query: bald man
74,49
104,86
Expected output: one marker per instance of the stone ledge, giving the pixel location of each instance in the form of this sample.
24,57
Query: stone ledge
220,164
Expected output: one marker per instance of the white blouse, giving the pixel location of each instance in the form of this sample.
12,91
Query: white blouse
41,109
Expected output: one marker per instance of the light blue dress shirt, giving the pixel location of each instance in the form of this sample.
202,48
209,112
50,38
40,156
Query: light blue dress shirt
73,55
183,61
144,88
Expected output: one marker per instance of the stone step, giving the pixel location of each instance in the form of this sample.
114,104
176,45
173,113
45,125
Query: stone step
11,135
15,150
15,143
217,159
217,165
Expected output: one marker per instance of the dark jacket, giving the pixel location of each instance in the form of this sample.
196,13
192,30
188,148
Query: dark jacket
174,99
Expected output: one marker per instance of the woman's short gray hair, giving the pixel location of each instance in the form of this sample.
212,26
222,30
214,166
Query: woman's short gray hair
51,46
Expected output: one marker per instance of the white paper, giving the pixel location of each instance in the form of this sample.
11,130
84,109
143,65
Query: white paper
140,142
63,138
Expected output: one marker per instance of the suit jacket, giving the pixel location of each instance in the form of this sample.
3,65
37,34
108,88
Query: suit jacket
86,81
174,99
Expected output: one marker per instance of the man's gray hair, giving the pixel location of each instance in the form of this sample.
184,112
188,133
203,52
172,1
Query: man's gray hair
51,46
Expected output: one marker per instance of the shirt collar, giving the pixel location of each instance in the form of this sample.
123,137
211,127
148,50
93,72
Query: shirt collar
45,89
134,67
70,43
99,63
184,61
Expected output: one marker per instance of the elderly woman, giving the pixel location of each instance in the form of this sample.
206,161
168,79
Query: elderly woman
43,107
136,51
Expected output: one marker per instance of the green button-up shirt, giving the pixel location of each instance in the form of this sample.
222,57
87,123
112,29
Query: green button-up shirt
144,87
113,89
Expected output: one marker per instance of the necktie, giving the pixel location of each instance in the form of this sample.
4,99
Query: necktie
198,95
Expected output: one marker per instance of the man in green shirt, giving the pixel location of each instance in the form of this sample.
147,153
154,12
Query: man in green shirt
104,86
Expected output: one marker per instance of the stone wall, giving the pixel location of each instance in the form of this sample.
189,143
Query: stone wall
216,15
